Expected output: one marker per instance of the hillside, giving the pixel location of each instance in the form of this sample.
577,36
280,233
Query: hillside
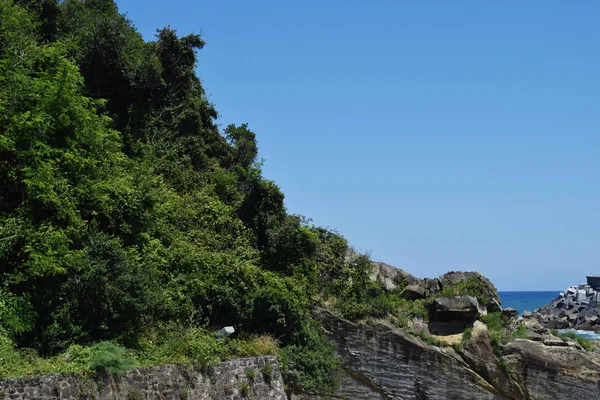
133,228
127,215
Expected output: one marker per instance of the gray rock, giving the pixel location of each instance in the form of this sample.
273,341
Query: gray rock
510,313
392,276
413,292
456,308
478,353
553,372
399,366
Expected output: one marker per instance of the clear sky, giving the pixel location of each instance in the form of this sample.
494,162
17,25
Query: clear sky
437,135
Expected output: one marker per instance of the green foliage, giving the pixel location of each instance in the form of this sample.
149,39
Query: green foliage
267,371
430,339
126,215
587,344
497,327
471,287
245,390
108,357
251,374
311,365
521,332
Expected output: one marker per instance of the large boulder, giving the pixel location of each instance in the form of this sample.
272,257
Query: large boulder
510,313
456,308
416,288
413,292
393,277
485,287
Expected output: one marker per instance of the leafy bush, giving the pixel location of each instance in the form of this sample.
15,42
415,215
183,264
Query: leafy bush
267,371
251,374
497,327
587,344
108,357
520,332
245,390
471,287
311,366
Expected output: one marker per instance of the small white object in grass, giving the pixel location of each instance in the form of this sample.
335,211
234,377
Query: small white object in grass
226,331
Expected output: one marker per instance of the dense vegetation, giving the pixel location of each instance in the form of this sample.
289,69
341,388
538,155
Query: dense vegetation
126,213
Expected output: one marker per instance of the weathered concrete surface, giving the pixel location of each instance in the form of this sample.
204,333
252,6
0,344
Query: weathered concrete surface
397,366
168,382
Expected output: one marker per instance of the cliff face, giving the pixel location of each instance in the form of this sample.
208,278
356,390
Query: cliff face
384,363
228,381
398,366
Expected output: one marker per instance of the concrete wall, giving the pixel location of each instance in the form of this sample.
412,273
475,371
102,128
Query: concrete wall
594,281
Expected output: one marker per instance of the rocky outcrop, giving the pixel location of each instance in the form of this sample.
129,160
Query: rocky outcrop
456,308
417,288
578,307
227,381
386,363
480,356
393,277
551,372
398,366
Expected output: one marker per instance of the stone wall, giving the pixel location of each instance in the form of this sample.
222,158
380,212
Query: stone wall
227,381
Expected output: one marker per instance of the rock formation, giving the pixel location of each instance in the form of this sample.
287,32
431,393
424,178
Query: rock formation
578,307
383,362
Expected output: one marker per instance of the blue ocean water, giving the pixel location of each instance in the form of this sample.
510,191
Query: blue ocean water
529,301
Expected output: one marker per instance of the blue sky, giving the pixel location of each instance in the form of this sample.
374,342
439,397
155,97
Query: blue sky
436,135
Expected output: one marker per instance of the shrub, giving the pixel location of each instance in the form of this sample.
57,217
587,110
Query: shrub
251,374
496,326
313,365
521,332
267,371
108,357
585,343
471,287
245,390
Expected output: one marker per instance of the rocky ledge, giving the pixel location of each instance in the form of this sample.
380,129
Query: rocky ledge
578,307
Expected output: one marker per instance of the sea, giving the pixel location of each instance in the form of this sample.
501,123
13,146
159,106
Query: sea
529,301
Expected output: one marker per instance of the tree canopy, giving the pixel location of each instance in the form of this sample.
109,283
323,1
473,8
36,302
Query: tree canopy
123,207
